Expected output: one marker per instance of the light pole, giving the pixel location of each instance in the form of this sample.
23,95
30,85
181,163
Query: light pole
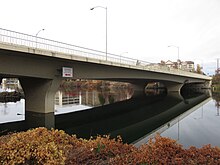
37,35
106,28
178,53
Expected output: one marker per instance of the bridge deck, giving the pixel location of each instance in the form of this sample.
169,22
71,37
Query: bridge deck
15,41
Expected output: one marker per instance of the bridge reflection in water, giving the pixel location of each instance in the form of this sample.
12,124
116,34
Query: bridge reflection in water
132,119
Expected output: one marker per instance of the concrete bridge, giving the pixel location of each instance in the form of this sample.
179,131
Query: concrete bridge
39,62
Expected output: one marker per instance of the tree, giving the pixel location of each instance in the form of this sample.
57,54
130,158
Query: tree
199,69
216,79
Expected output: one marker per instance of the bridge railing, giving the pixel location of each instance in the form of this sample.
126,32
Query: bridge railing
35,42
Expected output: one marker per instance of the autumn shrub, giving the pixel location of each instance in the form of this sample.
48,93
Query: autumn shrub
99,150
205,155
162,150
38,146
42,146
159,150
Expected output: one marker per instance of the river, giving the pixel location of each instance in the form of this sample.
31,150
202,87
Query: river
193,120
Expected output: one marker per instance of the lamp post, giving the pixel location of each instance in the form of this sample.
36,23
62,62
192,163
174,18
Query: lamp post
106,28
37,35
178,53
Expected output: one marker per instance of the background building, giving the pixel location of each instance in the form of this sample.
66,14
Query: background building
183,65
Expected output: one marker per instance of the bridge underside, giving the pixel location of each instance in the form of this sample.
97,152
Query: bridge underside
39,92
139,85
40,76
39,96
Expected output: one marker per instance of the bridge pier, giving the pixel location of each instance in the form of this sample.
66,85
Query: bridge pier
197,87
139,90
39,100
173,87
175,95
0,80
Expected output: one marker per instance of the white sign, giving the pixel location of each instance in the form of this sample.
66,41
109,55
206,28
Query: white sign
67,72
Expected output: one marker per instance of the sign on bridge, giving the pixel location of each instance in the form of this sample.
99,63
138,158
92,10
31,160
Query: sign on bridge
67,72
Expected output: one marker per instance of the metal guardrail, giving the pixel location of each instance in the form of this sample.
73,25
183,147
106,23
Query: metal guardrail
35,42
67,100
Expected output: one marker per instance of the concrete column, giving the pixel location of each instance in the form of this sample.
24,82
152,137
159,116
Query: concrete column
39,94
175,95
173,87
39,101
0,81
208,84
4,86
87,98
33,120
60,96
139,90
80,98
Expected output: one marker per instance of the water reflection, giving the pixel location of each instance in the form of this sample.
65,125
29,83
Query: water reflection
216,97
11,111
191,119
78,99
133,119
200,127
91,98
67,100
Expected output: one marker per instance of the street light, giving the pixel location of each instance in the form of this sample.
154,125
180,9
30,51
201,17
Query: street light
37,35
106,30
178,53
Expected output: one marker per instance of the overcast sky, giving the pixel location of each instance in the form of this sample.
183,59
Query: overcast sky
143,28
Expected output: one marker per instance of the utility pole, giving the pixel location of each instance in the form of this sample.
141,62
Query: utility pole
218,69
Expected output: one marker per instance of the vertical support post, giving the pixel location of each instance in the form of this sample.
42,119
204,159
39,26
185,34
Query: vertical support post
39,100
80,98
0,80
139,90
60,96
173,87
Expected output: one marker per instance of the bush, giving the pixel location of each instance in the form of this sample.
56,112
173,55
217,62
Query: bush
42,146
38,146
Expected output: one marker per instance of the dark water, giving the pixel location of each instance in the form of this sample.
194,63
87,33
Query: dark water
191,119
137,119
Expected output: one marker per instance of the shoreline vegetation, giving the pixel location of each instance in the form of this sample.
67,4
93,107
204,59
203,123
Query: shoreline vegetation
216,83
43,146
11,96
70,85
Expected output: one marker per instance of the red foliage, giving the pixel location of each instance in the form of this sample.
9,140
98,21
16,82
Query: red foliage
42,146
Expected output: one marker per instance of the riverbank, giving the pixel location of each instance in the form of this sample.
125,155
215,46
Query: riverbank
42,146
216,88
10,96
